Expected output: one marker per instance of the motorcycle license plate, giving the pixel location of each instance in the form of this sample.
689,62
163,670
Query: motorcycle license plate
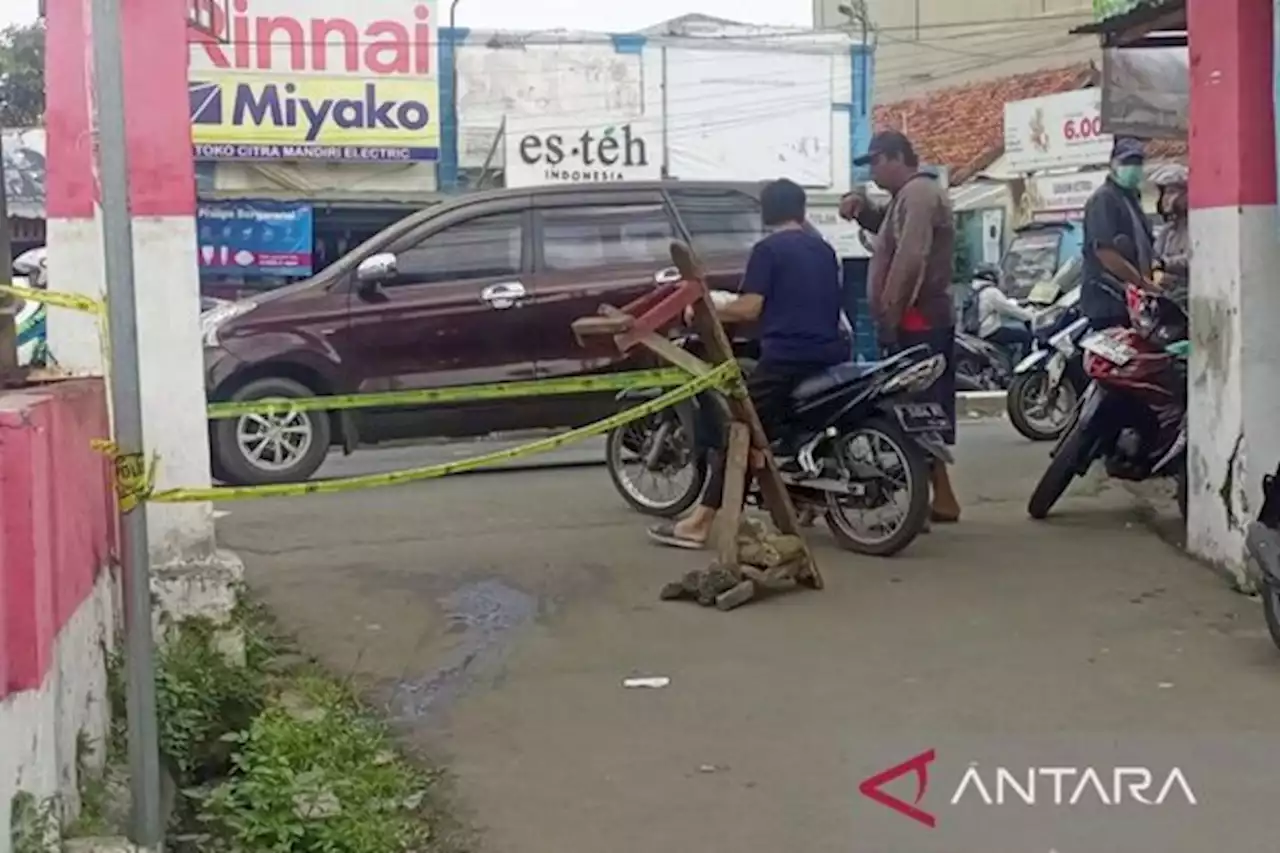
922,417
1105,346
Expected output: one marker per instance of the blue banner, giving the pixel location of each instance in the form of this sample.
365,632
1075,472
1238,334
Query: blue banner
254,238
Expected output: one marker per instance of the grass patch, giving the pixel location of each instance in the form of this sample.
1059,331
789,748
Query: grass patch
269,756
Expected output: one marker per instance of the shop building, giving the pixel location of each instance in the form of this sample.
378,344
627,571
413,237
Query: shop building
314,125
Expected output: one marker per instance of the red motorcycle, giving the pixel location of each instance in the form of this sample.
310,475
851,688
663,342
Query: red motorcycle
1133,415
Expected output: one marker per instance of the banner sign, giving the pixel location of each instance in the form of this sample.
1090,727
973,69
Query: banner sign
314,118
24,171
1057,131
1063,193
587,153
255,238
316,80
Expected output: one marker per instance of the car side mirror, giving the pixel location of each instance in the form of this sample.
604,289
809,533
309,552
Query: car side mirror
376,269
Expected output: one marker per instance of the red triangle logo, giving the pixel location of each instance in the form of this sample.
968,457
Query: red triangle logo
919,765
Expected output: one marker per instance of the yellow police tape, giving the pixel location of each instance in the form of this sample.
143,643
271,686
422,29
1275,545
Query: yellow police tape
135,477
141,475
74,301
635,379
628,380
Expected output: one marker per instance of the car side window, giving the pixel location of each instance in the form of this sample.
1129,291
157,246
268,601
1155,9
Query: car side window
719,221
587,237
485,247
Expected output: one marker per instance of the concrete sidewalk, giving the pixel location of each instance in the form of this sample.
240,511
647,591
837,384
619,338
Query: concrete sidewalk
497,616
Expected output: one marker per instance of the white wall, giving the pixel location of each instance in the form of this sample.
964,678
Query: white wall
41,730
735,109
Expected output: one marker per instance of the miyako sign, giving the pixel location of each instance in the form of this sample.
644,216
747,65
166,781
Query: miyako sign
316,79
553,152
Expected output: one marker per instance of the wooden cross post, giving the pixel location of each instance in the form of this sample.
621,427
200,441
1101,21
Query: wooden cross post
736,581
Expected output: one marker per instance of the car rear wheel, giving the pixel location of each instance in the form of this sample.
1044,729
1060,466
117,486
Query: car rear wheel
284,446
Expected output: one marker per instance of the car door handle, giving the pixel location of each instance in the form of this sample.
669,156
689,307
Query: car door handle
504,295
670,275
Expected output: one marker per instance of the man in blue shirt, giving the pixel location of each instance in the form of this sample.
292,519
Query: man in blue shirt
792,287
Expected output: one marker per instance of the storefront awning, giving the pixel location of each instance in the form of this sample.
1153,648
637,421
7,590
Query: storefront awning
1147,24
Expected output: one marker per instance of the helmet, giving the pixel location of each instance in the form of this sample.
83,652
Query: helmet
1169,175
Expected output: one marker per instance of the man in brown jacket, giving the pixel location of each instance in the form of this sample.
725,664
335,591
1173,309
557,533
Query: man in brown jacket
910,279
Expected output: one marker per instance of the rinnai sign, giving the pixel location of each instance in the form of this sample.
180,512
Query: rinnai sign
1057,131
587,153
328,80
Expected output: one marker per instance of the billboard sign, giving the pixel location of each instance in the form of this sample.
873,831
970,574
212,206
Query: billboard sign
1056,132
321,80
588,152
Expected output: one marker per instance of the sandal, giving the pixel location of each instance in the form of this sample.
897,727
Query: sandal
943,518
665,534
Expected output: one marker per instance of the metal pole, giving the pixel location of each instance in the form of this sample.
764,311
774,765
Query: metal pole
126,405
8,306
6,232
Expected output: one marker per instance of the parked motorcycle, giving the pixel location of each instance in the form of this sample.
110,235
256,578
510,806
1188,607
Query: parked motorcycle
31,269
1263,543
980,364
1048,383
1133,415
857,451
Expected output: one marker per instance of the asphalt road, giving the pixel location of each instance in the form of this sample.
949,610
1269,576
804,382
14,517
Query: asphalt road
495,617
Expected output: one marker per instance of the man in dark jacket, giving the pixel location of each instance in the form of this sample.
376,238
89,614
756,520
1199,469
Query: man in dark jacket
1118,248
910,277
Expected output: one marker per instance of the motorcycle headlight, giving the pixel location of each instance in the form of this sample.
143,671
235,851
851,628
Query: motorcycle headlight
213,319
917,377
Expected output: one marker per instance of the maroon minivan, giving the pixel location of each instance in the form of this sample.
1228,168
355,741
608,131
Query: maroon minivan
478,289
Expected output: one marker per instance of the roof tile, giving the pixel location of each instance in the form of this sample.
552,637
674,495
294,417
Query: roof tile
962,127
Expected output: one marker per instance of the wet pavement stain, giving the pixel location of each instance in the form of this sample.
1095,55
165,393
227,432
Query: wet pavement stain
483,614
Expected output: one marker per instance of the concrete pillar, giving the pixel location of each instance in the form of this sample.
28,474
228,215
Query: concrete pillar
1235,295
162,199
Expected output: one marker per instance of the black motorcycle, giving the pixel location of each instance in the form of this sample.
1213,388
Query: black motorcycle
1263,543
981,365
857,451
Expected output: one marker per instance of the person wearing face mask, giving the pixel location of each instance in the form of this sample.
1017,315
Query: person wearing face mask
1118,243
1173,245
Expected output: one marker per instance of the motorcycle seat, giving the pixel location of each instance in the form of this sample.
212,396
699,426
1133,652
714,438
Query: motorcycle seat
849,371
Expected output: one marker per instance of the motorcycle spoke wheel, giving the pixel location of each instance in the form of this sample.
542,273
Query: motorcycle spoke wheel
665,488
876,524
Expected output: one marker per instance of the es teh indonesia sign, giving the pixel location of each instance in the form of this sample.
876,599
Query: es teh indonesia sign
585,153
1056,131
316,79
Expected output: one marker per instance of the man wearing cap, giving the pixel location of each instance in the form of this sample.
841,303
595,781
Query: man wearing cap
1118,243
910,277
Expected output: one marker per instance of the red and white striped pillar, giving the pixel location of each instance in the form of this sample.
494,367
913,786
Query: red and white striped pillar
163,206
1234,375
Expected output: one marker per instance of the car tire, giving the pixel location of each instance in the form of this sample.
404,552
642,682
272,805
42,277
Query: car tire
233,442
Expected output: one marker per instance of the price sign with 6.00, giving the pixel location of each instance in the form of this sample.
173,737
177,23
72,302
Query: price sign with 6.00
1085,127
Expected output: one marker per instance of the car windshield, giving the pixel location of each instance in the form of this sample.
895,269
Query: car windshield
1031,259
